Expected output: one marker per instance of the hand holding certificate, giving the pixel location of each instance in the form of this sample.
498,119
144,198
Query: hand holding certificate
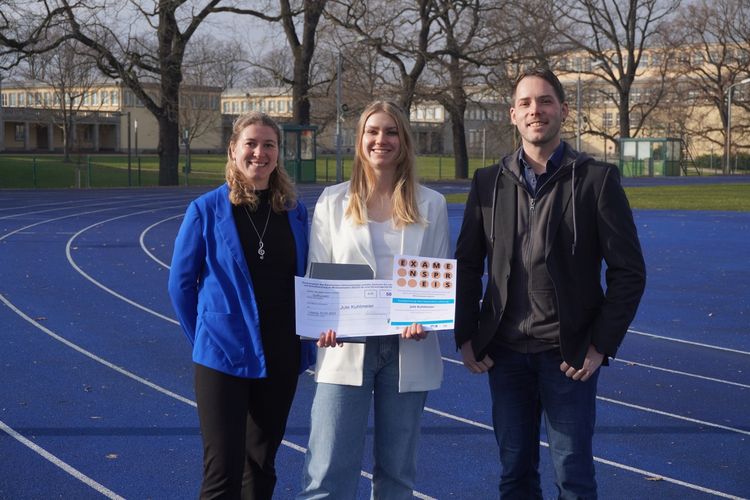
422,291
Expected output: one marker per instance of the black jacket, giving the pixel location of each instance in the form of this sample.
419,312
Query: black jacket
590,222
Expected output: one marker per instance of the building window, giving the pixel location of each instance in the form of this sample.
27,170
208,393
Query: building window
20,132
607,120
12,98
105,98
4,101
21,99
114,97
235,108
226,107
271,106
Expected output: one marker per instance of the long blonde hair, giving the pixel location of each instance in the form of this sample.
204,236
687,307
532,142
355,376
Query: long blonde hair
282,193
361,189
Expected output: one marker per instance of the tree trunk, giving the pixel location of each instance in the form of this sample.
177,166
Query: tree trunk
169,151
460,151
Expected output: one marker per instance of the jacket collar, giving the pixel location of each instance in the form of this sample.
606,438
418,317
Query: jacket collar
228,230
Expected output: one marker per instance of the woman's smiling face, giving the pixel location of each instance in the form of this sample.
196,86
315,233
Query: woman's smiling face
381,145
256,154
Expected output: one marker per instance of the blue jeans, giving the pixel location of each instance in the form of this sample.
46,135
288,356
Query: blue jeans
524,387
339,424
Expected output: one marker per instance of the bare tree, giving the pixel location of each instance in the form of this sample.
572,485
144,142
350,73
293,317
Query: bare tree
711,39
212,62
72,75
302,46
399,32
464,46
24,30
615,34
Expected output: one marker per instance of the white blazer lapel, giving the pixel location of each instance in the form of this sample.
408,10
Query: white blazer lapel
360,235
414,233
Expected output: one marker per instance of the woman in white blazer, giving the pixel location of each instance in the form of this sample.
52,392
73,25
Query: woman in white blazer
380,213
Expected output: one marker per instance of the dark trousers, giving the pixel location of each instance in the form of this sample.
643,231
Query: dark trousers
242,423
525,388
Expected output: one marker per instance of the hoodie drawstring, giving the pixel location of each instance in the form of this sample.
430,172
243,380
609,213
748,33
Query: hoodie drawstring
573,203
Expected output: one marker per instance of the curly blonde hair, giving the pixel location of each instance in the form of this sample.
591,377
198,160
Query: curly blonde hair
282,193
405,209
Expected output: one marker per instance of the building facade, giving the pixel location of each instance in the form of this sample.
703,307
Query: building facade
103,117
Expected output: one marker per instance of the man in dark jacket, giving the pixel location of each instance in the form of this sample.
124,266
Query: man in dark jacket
544,219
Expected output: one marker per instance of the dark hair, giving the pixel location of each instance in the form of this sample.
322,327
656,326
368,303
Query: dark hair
545,74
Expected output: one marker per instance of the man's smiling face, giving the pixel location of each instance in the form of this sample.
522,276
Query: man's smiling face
537,112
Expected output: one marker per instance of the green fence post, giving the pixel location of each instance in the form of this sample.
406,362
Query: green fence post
33,170
139,171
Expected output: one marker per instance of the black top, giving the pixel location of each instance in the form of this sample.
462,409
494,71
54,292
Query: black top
273,281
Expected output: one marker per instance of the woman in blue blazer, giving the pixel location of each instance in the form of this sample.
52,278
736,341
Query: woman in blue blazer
232,286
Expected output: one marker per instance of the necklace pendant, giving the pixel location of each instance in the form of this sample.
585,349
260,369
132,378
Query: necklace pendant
261,252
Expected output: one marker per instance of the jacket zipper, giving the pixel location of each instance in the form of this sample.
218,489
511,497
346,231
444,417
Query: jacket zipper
526,328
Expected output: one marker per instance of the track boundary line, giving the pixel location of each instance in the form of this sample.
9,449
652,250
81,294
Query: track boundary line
59,463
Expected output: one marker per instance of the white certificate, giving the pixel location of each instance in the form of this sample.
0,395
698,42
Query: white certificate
424,292
353,308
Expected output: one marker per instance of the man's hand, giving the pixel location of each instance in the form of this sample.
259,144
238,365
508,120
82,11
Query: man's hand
591,363
470,362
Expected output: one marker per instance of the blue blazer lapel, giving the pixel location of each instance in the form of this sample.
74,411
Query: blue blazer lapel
227,231
298,223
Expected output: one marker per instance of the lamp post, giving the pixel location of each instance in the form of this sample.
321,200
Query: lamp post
186,140
594,64
137,155
129,166
339,164
135,129
578,108
729,121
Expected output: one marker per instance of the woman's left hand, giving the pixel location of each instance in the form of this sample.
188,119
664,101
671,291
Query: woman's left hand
413,331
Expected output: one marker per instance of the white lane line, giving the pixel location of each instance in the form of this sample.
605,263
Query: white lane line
616,465
689,342
93,356
457,362
59,463
77,214
142,240
299,448
652,367
675,416
134,377
101,285
79,204
655,411
685,374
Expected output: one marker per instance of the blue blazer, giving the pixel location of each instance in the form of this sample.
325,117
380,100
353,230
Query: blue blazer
211,289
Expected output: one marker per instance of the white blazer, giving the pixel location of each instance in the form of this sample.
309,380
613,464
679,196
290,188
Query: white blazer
335,238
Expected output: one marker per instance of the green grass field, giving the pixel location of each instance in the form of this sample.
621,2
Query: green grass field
49,171
729,197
